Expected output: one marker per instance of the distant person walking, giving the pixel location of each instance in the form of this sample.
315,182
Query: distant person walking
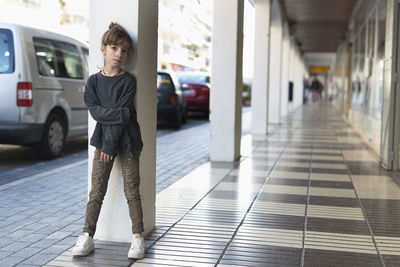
109,96
316,89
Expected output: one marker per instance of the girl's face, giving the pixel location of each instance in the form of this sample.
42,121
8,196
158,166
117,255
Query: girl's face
114,55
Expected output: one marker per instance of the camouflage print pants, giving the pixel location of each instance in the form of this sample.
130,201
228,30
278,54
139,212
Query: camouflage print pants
100,176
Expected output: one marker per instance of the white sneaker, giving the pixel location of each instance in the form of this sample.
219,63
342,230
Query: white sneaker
84,245
137,248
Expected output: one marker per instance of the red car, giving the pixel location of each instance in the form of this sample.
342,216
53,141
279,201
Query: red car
196,90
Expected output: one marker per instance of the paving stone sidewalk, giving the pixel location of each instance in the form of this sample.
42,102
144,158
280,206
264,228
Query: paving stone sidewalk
40,218
180,152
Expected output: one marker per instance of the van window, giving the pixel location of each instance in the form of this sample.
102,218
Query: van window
58,59
6,51
46,57
86,55
73,64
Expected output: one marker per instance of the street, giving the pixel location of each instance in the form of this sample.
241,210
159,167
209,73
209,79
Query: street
18,162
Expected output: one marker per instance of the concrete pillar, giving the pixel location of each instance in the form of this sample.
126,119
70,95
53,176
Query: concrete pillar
295,88
226,81
259,99
285,70
291,69
292,58
298,76
389,137
274,91
139,18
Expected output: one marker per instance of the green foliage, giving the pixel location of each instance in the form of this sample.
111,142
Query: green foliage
62,4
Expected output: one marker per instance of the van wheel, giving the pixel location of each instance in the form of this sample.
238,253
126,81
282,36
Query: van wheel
53,138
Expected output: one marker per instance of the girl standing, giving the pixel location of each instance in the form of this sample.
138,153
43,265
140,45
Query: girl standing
109,96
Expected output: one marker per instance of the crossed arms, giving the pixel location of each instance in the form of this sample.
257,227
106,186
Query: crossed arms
113,120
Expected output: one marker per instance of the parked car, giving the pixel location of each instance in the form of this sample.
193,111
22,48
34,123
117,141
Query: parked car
42,81
171,105
196,90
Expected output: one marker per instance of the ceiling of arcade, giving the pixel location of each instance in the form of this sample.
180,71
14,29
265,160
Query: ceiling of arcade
318,25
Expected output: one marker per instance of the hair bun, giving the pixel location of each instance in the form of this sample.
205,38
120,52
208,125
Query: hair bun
116,26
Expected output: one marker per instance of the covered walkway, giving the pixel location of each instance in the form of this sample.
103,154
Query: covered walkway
308,194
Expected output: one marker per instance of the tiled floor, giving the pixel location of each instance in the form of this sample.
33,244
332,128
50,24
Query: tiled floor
309,194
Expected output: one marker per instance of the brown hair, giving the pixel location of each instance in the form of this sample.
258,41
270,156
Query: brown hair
116,35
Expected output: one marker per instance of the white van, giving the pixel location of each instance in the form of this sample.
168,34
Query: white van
42,81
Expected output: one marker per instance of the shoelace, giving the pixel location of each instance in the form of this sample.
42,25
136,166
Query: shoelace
135,243
81,241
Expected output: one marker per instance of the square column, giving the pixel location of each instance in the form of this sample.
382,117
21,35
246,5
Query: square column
291,70
139,18
298,82
285,70
259,99
226,80
389,150
275,89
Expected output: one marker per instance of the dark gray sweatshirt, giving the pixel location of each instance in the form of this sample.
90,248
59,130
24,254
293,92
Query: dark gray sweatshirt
110,101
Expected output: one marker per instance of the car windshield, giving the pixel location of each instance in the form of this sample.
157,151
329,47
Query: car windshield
164,82
6,51
193,78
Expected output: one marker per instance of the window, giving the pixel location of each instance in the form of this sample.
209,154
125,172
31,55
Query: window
46,57
6,51
58,59
86,56
164,82
70,55
194,78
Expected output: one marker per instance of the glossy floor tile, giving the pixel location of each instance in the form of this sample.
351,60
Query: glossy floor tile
308,194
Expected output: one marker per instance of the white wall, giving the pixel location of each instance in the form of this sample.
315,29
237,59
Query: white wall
319,59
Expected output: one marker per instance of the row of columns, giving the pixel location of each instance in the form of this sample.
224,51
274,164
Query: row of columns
276,62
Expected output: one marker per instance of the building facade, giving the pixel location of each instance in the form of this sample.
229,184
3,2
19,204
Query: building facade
365,77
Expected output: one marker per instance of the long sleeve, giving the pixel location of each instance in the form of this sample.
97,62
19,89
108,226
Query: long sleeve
113,133
110,101
107,116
